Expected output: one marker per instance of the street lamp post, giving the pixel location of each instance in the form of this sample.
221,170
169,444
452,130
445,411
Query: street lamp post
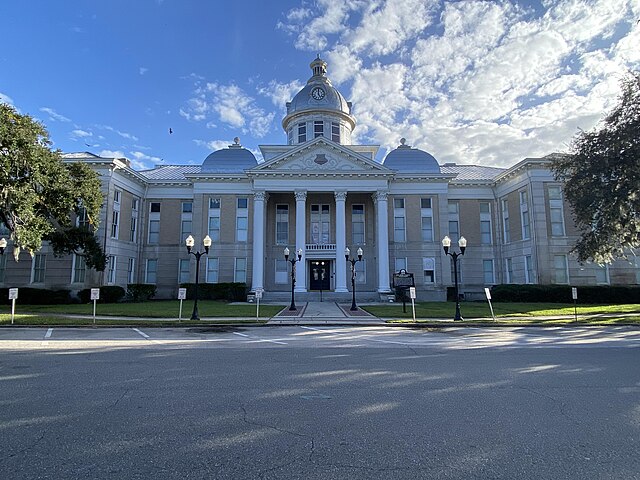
293,261
189,242
353,261
462,243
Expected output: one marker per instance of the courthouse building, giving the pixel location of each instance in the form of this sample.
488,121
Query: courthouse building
320,194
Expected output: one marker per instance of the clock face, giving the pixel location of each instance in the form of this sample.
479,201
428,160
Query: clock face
317,93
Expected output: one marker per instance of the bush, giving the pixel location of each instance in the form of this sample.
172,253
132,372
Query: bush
231,292
140,292
108,294
37,296
562,294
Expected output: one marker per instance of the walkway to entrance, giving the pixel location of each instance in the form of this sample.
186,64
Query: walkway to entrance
324,312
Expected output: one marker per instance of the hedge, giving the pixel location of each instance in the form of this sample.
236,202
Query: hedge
231,292
603,294
37,296
140,292
108,294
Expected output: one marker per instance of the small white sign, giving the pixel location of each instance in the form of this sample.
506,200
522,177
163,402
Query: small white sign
259,292
574,293
487,292
412,292
13,294
95,294
182,294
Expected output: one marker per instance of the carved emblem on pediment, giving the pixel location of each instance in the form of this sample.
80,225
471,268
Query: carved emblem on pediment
324,161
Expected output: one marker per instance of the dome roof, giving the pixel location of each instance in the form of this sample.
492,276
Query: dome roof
318,94
234,159
405,159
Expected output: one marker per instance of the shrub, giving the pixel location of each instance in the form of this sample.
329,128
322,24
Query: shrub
108,294
231,292
37,296
603,294
140,292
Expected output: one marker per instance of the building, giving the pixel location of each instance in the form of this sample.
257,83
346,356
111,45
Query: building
320,194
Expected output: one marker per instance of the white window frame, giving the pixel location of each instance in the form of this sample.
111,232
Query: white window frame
212,270
529,274
485,221
399,217
426,216
242,219
111,269
78,269
282,224
131,266
505,221
215,207
3,267
453,208
556,209
429,265
153,236
485,278
240,274
560,272
320,223
400,263
186,220
358,238
361,271
524,215
184,270
302,132
335,132
281,275
318,128
38,268
151,274
598,271
508,270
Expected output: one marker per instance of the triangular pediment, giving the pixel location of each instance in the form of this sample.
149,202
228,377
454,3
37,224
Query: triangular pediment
320,156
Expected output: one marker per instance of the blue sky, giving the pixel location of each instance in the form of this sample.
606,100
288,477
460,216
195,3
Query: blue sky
474,82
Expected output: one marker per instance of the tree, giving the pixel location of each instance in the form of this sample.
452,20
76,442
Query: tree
602,180
40,195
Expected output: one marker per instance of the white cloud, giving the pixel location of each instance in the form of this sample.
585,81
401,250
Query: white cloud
126,135
488,82
80,134
141,160
111,154
53,115
231,105
281,93
143,70
213,145
6,99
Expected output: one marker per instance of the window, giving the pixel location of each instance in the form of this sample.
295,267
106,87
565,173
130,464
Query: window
361,271
115,216
427,219
302,132
556,213
290,136
485,224
185,228
183,271
186,220
399,230
459,270
282,224
3,267
131,270
116,196
487,272
602,274
155,207
281,271
529,275
524,213
400,264
214,219
135,203
111,269
154,231
242,219
38,268
318,128
187,207
561,272
429,270
508,270
134,227
212,270
335,132
152,269
357,224
240,270
82,221
79,269
454,220
505,221
320,224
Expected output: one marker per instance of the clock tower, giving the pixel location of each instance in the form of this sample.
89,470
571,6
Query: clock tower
318,110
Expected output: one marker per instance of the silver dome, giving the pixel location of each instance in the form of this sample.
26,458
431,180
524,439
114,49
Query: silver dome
405,159
233,159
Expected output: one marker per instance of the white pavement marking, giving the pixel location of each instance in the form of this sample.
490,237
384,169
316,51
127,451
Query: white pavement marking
258,341
47,335
241,334
141,333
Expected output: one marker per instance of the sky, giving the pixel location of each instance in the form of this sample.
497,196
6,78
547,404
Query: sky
169,81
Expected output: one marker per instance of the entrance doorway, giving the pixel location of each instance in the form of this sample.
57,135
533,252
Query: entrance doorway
320,275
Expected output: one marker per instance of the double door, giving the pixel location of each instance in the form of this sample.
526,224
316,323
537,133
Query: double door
320,275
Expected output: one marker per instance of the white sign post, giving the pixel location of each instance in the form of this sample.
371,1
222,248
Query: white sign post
574,296
13,295
487,292
258,297
95,296
182,295
412,295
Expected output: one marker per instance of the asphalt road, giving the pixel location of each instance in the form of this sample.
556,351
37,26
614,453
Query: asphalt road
319,402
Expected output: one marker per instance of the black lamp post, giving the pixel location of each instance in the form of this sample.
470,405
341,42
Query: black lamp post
3,245
353,261
462,243
293,273
189,243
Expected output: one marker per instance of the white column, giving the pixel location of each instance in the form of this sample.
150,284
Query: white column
341,242
259,203
383,241
301,241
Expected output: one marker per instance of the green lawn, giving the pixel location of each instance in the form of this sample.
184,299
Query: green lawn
469,310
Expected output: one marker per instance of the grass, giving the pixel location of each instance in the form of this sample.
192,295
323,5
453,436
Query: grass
517,313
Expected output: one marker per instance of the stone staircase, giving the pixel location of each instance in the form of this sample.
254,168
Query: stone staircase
328,296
